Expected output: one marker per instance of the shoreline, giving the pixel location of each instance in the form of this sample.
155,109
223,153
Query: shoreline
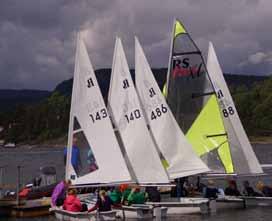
59,147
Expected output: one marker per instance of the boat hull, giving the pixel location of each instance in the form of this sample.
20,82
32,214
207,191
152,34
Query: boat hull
64,215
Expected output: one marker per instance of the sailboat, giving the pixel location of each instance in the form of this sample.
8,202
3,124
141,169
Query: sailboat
177,154
128,117
195,103
90,123
241,148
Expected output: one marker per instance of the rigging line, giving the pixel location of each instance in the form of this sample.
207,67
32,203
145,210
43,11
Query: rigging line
216,135
197,95
186,53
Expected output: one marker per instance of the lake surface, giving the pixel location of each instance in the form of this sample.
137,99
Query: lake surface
32,160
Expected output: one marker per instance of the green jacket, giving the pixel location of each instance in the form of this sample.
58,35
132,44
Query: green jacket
125,195
115,196
136,198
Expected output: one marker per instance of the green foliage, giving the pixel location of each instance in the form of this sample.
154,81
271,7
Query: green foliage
49,119
255,108
39,122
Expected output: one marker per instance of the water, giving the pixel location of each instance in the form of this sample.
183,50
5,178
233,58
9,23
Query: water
32,160
251,214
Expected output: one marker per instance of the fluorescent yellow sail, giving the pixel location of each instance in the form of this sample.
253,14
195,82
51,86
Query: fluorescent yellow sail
208,133
179,28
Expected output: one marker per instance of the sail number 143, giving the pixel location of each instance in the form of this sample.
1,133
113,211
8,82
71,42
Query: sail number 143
99,115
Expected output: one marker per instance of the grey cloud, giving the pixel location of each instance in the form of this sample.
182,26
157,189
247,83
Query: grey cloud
37,43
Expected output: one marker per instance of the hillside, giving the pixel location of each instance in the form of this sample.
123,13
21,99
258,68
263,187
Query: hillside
103,77
44,116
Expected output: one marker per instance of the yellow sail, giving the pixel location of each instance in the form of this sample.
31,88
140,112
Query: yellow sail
208,133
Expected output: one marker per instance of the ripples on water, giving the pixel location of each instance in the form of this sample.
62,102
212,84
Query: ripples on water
33,160
252,214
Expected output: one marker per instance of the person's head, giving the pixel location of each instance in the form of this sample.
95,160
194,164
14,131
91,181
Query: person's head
260,185
246,183
72,192
67,183
232,184
135,187
123,187
210,183
75,141
102,193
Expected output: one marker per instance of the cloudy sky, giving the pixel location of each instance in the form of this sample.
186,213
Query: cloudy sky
37,37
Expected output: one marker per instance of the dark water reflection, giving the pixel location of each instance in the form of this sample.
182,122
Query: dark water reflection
34,159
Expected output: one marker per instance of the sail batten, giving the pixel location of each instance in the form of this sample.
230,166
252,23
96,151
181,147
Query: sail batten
129,119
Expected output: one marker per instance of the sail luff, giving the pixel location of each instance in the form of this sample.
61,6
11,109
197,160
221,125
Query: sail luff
165,88
68,167
244,158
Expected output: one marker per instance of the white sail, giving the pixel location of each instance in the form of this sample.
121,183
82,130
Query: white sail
243,156
88,110
128,117
180,158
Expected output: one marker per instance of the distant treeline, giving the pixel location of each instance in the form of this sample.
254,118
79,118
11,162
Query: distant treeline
49,118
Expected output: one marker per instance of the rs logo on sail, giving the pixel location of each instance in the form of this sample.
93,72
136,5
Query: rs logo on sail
182,68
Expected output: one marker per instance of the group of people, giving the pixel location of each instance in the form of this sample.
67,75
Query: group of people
211,191
112,197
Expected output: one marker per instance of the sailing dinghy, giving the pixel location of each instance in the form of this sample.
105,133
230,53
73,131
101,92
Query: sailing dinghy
178,155
127,115
243,156
191,95
90,122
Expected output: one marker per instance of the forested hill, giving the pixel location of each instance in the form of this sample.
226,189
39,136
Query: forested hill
43,115
103,77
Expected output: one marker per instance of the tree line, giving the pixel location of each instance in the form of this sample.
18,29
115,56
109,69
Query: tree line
48,119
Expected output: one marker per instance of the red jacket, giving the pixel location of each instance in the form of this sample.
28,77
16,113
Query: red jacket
72,203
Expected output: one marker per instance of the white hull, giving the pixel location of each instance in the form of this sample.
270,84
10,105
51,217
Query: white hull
64,215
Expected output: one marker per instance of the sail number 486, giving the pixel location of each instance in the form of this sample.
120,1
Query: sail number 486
157,112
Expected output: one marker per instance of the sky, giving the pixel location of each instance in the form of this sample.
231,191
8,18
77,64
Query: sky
37,37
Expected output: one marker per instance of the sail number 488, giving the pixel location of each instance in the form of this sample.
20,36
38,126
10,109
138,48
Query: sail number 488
157,112
228,111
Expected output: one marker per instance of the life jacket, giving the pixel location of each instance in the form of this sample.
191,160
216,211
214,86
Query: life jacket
72,203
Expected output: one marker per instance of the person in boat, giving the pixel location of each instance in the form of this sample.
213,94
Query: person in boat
266,190
232,189
178,190
91,161
248,190
59,193
125,190
103,203
153,194
115,195
72,203
136,196
210,191
75,159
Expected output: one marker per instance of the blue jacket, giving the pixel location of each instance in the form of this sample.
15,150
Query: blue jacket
75,159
